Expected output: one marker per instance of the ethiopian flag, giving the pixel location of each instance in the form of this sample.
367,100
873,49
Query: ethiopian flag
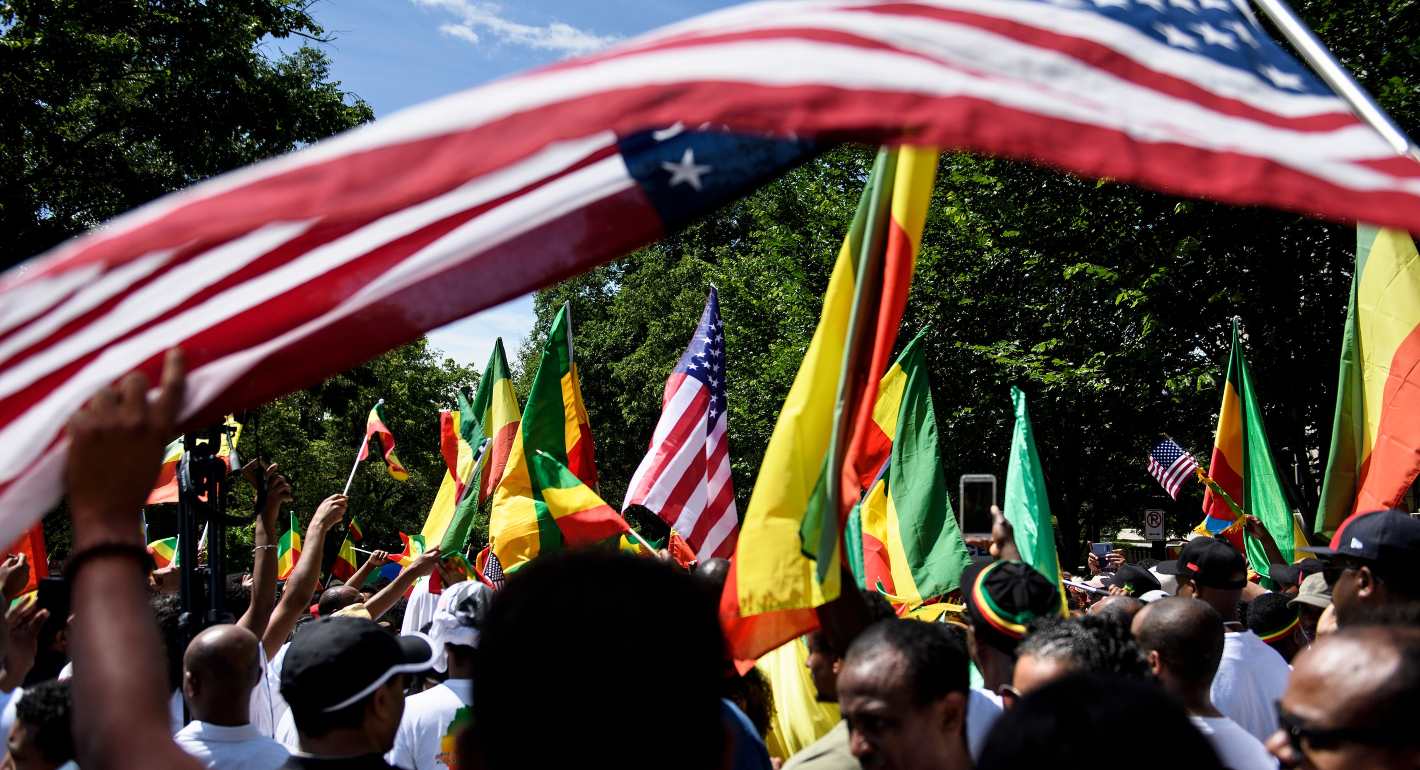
344,566
787,559
1243,470
1026,505
520,524
355,533
413,546
288,550
164,552
384,442
903,539
166,490
476,441
582,518
1375,436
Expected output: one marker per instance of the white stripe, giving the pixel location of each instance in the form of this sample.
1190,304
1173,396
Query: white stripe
42,294
718,533
41,422
661,488
671,413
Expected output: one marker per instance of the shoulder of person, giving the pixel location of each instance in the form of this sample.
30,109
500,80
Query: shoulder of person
830,751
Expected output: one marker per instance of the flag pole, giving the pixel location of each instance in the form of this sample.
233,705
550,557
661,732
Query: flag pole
1336,76
355,465
642,540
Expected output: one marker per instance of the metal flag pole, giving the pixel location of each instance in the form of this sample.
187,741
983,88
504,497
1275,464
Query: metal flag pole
1336,76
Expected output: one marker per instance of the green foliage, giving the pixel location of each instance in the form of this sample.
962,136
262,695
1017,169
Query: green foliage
111,103
313,436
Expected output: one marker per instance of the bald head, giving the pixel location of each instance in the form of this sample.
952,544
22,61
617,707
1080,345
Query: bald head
1186,633
1367,675
220,668
1120,609
338,598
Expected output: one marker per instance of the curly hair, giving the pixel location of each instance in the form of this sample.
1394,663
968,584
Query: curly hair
1091,643
46,707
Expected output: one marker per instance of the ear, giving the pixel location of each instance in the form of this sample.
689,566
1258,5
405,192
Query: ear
953,712
837,664
388,697
1155,663
191,685
1366,583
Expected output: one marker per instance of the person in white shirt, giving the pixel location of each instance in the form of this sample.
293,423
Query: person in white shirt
425,740
1184,641
220,669
1252,676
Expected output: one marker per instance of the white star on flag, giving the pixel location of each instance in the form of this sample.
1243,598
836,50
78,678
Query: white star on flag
1282,79
686,170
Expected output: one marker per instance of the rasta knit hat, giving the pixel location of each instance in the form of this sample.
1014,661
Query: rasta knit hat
1003,597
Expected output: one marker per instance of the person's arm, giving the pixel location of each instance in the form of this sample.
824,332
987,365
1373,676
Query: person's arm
422,565
302,582
116,445
23,623
263,568
14,576
377,559
1254,526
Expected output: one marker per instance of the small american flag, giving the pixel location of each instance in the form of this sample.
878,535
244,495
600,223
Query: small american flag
494,572
685,476
1171,464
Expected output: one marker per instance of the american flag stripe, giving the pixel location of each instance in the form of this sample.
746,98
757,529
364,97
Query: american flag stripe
684,477
1171,464
280,274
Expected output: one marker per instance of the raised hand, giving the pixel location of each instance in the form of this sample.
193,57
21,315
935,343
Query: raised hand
14,575
330,512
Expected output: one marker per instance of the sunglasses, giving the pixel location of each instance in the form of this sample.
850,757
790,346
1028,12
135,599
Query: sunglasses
1305,739
1332,572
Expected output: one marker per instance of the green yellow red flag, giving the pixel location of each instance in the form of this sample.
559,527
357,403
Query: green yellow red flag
345,561
288,550
582,518
355,532
521,526
904,528
1026,505
376,431
164,552
1375,437
787,559
166,489
413,546
1243,470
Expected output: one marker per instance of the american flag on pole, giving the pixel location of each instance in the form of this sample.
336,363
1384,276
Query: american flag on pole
278,275
1171,464
685,477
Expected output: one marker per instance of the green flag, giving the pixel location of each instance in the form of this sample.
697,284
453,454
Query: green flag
1027,507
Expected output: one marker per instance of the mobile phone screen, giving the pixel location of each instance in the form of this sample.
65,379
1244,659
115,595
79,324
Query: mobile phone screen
978,494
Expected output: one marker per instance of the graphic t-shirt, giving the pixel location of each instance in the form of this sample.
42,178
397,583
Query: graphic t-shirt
425,740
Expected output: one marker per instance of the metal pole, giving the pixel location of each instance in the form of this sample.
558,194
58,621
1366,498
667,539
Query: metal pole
1336,76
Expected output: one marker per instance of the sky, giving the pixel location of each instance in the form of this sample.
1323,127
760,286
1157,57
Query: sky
398,53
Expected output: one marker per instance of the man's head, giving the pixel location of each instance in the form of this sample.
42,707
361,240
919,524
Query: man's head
1183,639
1275,621
344,680
1312,600
1212,570
40,738
219,670
1054,647
561,638
1353,701
1132,580
823,662
1372,573
456,629
1001,599
1119,609
1289,577
336,599
903,689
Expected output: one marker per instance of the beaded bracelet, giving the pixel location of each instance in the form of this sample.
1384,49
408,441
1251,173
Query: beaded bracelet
136,552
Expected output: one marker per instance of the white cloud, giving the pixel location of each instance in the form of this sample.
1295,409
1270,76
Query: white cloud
475,17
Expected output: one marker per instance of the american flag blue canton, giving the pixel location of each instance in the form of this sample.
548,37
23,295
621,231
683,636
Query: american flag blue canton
704,358
685,173
1222,30
1171,464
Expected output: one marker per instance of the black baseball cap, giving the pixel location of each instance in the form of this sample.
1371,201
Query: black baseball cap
1134,579
1002,597
335,662
1378,536
1294,574
1210,562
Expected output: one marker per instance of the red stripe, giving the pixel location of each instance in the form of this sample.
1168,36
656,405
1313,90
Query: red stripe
1394,461
449,448
691,479
750,637
715,509
689,420
591,526
496,458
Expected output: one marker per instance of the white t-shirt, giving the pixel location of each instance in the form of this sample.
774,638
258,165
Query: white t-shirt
175,711
1236,747
286,733
273,687
260,710
425,739
983,708
1250,680
231,748
420,608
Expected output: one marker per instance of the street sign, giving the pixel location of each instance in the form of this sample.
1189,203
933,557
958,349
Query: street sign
1153,524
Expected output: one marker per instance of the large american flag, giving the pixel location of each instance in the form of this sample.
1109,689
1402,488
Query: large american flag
685,477
1171,464
278,275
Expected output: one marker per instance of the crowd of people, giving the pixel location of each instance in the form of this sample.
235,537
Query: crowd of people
597,659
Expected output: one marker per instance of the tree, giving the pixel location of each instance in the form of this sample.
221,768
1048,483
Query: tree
111,103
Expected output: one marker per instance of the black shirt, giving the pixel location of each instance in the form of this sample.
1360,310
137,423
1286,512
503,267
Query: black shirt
362,762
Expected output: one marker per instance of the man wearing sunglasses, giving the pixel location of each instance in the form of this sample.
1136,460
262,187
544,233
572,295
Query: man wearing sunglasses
1353,702
1373,575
